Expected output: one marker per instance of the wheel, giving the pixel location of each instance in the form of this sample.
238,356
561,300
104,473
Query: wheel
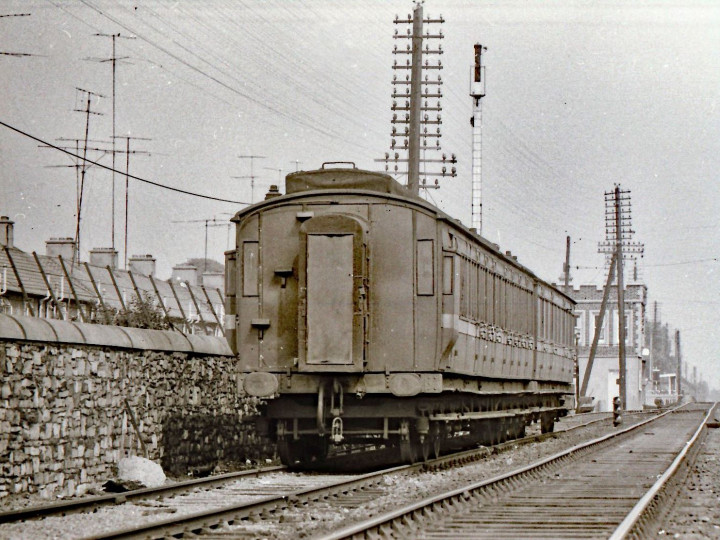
436,440
284,452
409,451
425,447
547,423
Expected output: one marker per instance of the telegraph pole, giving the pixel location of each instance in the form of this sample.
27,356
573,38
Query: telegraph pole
251,176
414,115
679,364
84,166
415,80
620,299
618,235
113,60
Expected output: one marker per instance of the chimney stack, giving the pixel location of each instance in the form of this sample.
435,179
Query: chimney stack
142,264
185,272
60,246
104,257
6,231
213,280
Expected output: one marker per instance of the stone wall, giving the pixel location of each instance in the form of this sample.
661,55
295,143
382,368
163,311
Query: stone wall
67,411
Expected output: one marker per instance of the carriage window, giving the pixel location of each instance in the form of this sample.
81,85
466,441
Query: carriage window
425,271
250,268
448,272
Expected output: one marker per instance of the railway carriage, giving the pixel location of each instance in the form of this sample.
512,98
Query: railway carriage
367,316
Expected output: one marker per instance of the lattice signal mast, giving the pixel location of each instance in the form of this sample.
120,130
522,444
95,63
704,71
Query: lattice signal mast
477,92
415,90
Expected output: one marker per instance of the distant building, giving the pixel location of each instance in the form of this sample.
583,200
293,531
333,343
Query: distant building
52,286
603,382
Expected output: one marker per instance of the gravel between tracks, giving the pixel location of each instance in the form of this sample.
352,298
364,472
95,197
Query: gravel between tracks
402,489
316,518
697,509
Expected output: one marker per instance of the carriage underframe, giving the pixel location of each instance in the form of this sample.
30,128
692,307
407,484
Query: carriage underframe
307,426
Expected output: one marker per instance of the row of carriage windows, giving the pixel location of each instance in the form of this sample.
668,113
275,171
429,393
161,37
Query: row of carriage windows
490,298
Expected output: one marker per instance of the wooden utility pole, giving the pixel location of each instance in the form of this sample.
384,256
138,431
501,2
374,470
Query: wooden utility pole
415,87
566,269
620,298
84,166
679,364
413,84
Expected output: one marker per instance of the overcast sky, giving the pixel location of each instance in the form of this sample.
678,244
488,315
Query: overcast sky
580,95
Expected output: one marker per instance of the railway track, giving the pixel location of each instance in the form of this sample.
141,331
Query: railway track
203,504
612,487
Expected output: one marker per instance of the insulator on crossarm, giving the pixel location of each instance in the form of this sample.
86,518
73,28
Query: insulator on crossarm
436,182
439,118
454,158
443,170
397,156
453,171
440,51
444,157
426,117
392,143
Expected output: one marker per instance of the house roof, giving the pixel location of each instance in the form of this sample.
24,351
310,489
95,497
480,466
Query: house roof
34,284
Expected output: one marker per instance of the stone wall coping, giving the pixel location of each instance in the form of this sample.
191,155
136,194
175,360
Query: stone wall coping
22,328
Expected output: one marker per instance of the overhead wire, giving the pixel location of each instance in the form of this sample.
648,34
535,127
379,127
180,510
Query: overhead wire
123,173
258,102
